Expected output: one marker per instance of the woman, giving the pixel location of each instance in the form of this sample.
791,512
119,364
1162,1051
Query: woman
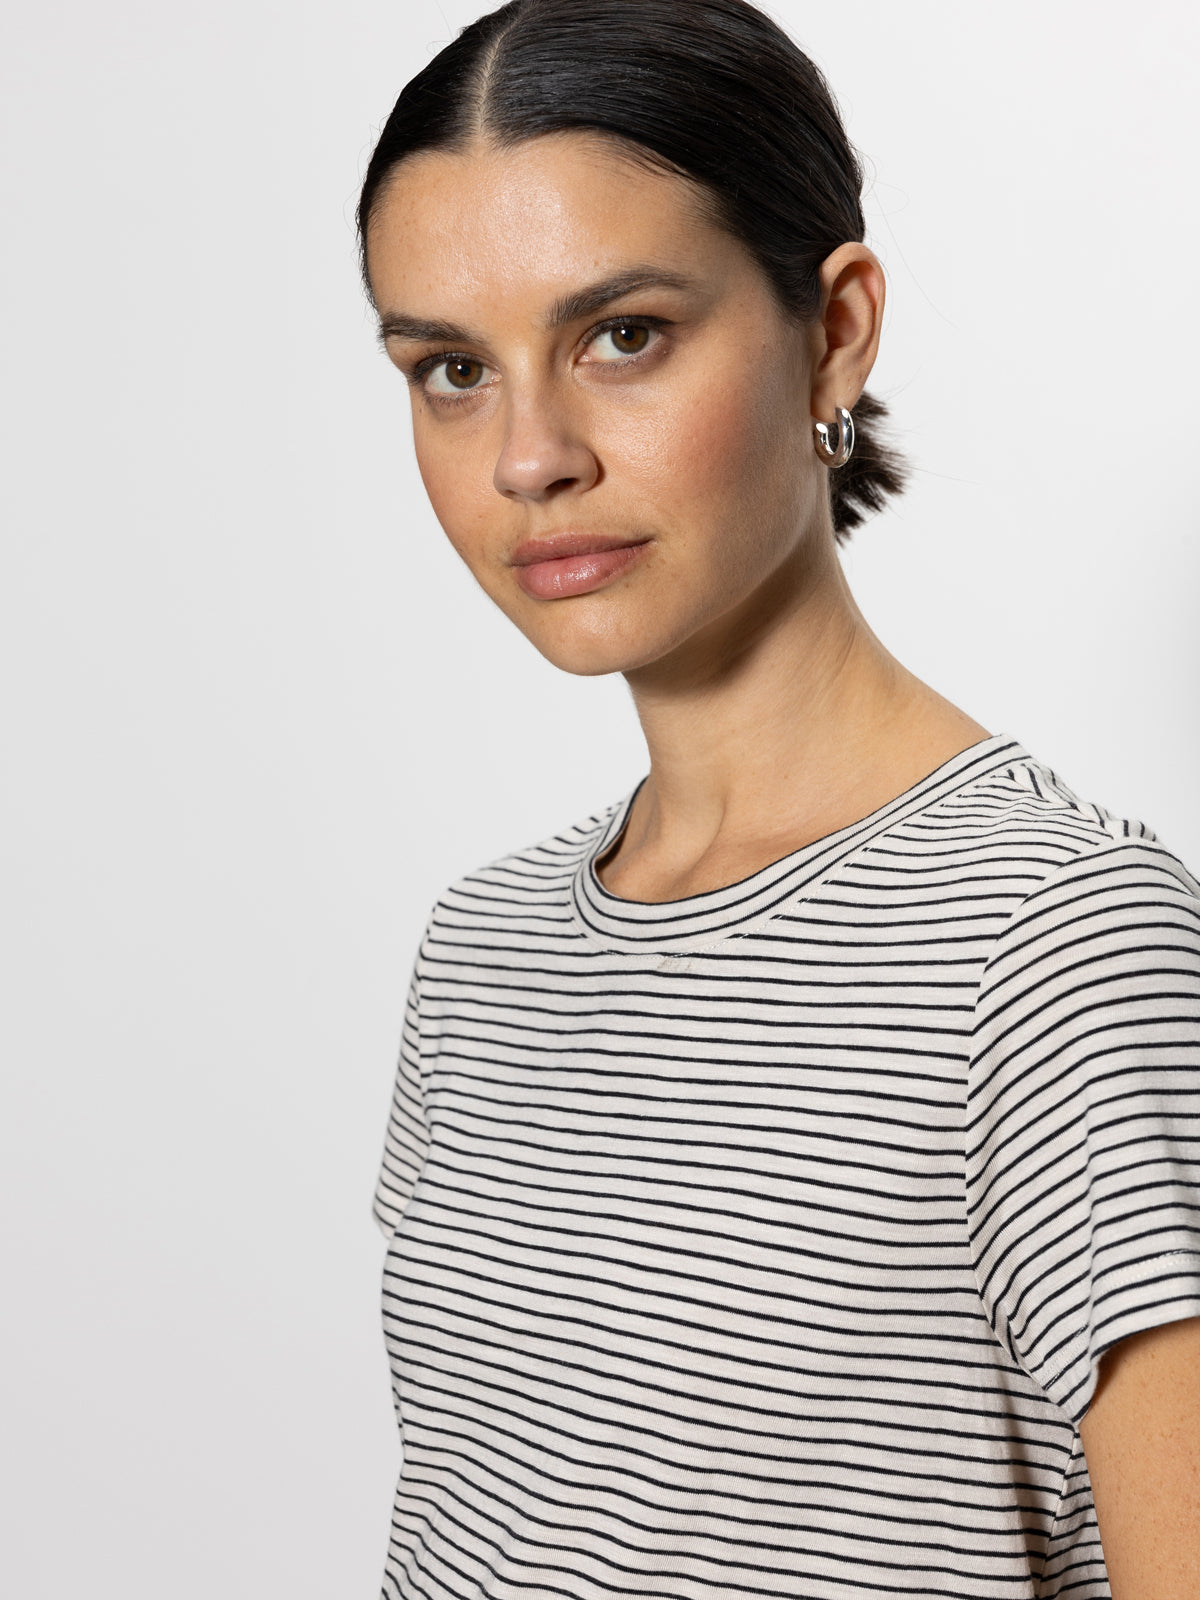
792,1185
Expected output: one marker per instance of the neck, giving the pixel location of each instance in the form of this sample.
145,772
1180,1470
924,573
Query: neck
785,721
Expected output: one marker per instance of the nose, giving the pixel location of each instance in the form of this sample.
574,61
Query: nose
543,452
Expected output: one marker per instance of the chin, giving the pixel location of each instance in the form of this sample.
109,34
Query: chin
587,658
594,652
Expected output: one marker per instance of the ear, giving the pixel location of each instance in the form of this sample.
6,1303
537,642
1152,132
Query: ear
847,334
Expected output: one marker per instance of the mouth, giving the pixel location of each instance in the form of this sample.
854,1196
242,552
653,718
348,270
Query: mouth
555,546
567,564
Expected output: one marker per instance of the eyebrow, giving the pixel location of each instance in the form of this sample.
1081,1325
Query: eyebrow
566,309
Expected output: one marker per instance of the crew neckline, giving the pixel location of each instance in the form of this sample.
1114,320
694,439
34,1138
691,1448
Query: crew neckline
699,920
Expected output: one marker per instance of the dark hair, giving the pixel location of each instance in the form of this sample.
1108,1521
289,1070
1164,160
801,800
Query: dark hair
711,90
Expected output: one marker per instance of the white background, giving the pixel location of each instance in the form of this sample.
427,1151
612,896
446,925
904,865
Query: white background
256,714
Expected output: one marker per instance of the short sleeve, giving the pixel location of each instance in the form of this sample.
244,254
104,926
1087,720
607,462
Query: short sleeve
407,1138
1083,1115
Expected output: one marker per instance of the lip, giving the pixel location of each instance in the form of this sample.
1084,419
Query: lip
556,545
577,571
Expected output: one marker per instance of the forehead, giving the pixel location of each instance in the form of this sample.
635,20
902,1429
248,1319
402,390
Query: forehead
533,218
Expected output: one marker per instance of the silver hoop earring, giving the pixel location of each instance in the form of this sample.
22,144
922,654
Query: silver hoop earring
835,455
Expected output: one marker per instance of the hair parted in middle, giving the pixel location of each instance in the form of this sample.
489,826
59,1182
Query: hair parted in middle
712,91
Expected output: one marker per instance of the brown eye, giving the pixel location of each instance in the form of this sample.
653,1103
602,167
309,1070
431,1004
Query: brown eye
620,340
463,374
631,339
455,375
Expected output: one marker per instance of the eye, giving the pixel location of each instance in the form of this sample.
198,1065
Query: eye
620,340
454,375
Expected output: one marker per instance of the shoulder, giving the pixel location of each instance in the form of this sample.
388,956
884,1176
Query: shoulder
1104,939
533,879
1082,1108
1023,812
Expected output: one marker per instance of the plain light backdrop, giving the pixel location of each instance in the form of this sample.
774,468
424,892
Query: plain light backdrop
256,714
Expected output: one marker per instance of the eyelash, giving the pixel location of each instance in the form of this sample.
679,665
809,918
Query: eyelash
421,370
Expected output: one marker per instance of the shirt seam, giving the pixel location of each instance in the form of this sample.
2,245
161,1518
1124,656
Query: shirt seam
669,945
1103,843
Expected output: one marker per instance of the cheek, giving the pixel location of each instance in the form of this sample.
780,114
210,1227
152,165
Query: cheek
730,452
457,475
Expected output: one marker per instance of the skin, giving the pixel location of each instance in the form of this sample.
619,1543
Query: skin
772,713
1141,1441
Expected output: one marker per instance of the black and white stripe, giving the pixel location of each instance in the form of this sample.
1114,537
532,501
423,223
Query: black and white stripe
764,1243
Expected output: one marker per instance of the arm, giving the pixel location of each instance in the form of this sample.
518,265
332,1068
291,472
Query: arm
406,1142
1141,1439
1083,1118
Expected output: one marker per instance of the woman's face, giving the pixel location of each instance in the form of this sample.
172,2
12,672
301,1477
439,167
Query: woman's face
594,363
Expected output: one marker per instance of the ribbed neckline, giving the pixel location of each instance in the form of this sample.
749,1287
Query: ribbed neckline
677,926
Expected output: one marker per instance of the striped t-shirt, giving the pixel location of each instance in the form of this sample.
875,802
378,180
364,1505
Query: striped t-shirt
764,1243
